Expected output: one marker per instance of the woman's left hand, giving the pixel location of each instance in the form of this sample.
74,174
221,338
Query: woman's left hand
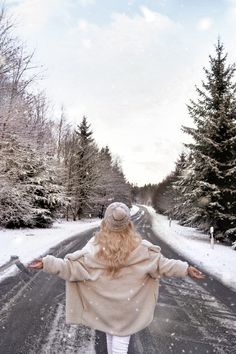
195,273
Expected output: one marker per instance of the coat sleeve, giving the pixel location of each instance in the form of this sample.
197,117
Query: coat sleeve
72,267
172,267
70,270
162,266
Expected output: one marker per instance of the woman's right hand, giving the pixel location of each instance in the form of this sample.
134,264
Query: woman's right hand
36,264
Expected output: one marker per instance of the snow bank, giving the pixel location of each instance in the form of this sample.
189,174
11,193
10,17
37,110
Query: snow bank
134,210
195,246
28,244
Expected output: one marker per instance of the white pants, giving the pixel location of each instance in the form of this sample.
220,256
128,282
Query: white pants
117,345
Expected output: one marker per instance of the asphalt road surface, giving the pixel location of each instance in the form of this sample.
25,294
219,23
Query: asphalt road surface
191,316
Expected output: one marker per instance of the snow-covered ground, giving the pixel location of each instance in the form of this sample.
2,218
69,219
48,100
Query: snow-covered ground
28,244
220,261
134,210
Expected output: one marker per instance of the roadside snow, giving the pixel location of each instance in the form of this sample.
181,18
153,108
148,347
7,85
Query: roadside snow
195,246
28,244
134,210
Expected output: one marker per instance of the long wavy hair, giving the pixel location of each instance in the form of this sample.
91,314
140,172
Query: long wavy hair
115,246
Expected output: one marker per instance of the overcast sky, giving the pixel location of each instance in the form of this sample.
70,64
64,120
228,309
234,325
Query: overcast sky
129,66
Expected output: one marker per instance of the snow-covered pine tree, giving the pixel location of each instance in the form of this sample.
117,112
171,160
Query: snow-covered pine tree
171,193
29,195
104,185
182,190
213,177
82,171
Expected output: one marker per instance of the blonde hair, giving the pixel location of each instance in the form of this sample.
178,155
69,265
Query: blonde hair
115,246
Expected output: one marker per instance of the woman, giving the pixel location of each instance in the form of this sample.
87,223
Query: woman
112,283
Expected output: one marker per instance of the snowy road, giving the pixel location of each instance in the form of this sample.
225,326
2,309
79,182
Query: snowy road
191,317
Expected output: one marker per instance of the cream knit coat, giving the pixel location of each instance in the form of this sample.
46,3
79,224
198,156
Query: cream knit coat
120,306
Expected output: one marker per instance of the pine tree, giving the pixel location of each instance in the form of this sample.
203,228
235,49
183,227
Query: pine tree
29,194
171,194
82,171
213,175
105,183
182,190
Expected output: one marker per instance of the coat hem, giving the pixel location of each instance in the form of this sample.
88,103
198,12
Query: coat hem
114,333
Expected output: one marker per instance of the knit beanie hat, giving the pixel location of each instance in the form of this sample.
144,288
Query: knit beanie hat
117,216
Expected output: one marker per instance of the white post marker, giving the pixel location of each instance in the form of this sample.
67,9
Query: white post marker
212,236
169,222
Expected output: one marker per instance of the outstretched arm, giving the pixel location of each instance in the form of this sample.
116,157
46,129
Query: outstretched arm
64,268
177,268
50,261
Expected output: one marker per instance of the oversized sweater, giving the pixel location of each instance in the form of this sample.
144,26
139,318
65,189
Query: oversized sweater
122,305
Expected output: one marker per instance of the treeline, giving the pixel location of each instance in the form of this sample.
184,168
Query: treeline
202,190
48,168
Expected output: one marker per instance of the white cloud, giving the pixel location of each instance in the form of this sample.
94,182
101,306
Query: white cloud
155,17
86,43
231,9
87,2
83,24
205,24
32,13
